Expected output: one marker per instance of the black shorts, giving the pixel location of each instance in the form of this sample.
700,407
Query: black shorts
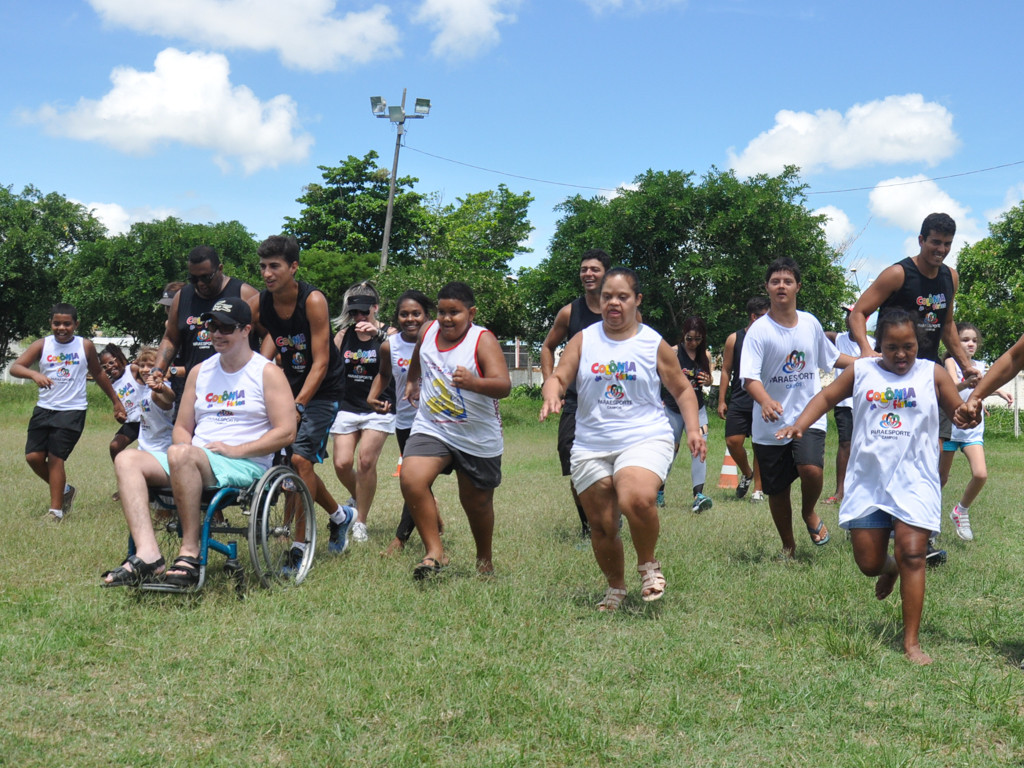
314,430
844,422
130,429
778,463
945,426
740,417
484,473
566,437
54,432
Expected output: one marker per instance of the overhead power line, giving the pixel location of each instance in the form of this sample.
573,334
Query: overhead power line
822,192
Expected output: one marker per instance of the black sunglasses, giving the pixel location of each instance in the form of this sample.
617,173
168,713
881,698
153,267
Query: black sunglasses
204,279
224,328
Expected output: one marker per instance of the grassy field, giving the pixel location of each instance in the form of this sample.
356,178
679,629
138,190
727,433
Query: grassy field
745,662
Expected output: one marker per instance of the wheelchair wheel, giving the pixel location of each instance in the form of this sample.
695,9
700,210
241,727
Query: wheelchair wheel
165,523
281,513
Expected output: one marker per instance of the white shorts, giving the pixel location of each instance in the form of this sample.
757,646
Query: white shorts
587,467
346,423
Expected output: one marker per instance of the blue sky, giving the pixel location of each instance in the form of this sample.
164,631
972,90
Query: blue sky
213,110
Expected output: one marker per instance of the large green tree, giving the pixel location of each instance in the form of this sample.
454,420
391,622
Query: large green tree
37,231
991,293
473,241
698,248
345,214
117,281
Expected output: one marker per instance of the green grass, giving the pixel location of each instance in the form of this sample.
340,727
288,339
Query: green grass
745,662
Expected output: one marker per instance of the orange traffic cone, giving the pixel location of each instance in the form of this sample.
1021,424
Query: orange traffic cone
398,469
730,475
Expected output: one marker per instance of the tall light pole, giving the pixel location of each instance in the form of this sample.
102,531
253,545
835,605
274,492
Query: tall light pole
396,115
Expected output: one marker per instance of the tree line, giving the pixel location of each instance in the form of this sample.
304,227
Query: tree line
699,245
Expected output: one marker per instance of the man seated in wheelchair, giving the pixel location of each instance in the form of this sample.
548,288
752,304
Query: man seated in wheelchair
236,413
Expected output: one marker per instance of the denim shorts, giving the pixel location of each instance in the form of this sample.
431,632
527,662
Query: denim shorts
874,519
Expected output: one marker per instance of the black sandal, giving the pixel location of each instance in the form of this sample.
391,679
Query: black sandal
428,568
190,577
139,574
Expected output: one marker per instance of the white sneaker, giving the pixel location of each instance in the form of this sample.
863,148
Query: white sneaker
359,532
757,496
962,523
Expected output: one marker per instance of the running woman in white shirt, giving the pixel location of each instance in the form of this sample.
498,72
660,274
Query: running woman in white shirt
624,445
892,480
782,353
971,441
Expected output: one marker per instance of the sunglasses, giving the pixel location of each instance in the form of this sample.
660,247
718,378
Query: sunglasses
204,279
359,312
225,329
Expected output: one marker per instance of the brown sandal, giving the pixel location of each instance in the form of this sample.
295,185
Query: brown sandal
652,581
612,599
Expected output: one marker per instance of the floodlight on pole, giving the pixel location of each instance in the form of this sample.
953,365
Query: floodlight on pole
398,116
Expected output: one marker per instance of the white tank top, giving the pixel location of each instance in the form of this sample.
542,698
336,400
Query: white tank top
894,458
230,407
401,356
464,420
974,434
65,365
619,391
155,424
129,392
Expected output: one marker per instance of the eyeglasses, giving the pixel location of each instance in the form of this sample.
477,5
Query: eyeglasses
225,329
693,338
204,279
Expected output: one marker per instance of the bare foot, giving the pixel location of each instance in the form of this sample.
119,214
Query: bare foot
916,655
885,584
396,546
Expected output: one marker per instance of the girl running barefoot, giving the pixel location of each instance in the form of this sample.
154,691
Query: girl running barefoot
970,441
623,446
892,482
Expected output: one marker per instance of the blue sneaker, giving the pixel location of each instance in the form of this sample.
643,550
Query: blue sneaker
701,503
292,562
661,498
338,542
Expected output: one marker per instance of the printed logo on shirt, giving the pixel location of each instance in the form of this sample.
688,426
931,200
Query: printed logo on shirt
615,392
403,363
446,403
794,362
890,421
64,358
298,362
891,399
227,399
623,371
935,301
364,356
298,341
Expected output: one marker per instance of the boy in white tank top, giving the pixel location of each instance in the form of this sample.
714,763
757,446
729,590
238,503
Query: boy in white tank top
59,418
457,425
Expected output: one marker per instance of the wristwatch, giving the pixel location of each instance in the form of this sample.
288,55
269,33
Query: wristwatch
300,408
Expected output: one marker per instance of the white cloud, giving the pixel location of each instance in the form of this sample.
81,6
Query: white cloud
118,219
1014,196
838,229
187,98
897,129
306,34
464,27
904,203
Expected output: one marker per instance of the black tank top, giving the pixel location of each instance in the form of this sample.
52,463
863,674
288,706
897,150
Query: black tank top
690,368
196,345
361,362
927,299
580,317
735,382
293,339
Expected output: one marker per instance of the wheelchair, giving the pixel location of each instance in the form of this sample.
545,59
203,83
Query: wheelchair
277,510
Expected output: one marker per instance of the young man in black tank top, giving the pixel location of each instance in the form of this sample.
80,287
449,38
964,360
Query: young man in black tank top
185,332
739,412
293,319
925,287
570,320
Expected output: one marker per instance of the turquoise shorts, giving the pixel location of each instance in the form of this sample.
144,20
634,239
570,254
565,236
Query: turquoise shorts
230,473
951,446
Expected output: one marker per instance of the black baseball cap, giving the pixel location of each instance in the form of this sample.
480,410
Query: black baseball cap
230,310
